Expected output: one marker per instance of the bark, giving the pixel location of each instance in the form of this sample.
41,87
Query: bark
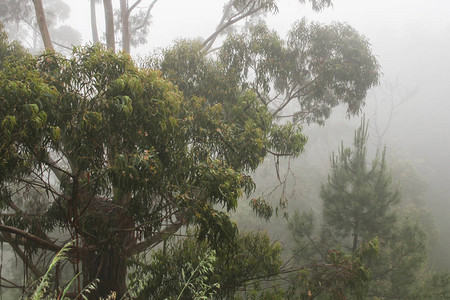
355,242
95,38
108,265
40,16
109,23
125,16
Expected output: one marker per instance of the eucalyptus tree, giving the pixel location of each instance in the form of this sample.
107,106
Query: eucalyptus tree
133,18
123,159
39,24
120,160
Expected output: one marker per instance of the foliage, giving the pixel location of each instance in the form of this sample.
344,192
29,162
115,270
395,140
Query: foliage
319,66
196,282
359,205
42,290
250,257
9,51
122,159
43,285
358,199
326,269
116,148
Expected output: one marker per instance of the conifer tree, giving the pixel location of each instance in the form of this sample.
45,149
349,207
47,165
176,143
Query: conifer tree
358,198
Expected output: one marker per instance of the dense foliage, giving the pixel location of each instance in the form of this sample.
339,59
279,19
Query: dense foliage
316,68
120,158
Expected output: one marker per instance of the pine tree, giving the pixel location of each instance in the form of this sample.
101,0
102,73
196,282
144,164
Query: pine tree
358,198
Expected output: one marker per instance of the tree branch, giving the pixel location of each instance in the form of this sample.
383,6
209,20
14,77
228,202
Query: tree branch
207,45
147,16
169,230
133,6
7,237
224,16
43,244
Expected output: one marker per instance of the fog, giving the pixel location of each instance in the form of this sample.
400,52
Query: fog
410,106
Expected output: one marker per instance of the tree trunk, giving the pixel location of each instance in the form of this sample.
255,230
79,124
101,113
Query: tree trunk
40,16
125,26
355,242
109,23
95,38
108,265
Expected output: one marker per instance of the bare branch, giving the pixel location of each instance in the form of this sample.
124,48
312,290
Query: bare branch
207,45
147,16
133,6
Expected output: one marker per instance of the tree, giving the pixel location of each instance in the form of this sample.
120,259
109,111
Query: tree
301,79
251,258
95,38
109,25
134,27
120,159
24,20
320,66
42,24
359,204
123,159
358,199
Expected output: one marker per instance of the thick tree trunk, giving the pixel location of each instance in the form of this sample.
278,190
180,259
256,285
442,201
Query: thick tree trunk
94,29
40,16
108,265
109,23
125,16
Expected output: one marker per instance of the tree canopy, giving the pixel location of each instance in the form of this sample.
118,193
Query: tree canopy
120,157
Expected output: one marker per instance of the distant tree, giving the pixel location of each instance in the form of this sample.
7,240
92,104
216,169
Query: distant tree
42,23
109,25
237,10
95,38
9,51
360,203
25,23
132,22
358,199
323,268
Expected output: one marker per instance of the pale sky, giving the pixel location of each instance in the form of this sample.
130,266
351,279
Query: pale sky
181,18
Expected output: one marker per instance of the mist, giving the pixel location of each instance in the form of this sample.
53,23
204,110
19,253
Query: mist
407,114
